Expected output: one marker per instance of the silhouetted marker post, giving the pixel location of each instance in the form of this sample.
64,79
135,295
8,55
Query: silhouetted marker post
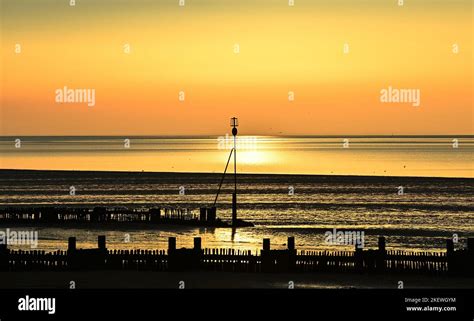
266,257
71,244
197,244
291,254
101,243
291,243
234,123
171,244
381,255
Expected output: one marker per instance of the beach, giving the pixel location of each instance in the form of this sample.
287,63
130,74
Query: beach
224,280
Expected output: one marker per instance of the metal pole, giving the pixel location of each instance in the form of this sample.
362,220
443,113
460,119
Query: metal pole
234,195
235,165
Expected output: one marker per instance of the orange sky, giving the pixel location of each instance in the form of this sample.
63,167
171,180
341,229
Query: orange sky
191,49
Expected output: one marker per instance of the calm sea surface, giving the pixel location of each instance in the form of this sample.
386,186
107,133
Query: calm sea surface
429,211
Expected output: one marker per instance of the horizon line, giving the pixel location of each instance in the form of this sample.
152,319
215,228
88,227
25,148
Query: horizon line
220,173
261,135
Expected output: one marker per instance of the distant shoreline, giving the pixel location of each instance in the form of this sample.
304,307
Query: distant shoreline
247,134
5,171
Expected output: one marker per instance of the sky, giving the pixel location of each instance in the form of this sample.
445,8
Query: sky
314,68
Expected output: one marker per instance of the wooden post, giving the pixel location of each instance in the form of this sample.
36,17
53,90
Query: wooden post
171,244
71,254
380,260
173,260
71,244
101,256
449,246
381,243
202,214
266,258
196,255
291,243
197,243
291,254
101,242
154,214
266,244
211,214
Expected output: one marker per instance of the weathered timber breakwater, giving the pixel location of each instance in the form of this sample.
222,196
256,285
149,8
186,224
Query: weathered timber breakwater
76,217
379,260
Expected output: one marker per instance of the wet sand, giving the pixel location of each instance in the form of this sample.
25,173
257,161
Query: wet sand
223,280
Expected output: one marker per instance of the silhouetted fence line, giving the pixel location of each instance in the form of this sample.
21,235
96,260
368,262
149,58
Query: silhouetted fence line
50,214
380,260
82,216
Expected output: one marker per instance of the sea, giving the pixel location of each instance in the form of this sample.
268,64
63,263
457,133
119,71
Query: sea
415,191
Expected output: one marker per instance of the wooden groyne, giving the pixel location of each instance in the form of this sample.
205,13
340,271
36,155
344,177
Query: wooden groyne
76,217
380,260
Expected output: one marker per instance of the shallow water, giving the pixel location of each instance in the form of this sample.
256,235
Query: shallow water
430,210
351,155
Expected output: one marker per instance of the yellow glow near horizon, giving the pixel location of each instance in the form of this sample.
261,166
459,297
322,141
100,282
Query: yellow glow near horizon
282,49
253,157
